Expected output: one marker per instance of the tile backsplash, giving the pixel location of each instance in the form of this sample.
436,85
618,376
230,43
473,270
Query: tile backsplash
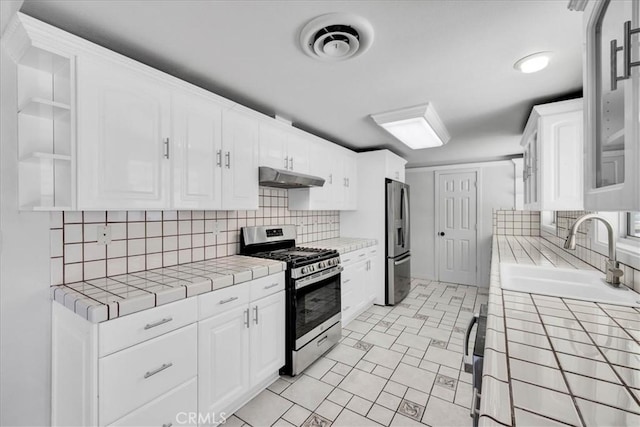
516,223
142,240
584,250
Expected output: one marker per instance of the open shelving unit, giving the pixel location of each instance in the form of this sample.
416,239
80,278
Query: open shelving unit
46,130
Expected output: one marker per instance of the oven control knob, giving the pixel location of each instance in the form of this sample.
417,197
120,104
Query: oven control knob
311,268
304,270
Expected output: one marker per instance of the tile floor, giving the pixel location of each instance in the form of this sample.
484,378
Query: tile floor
395,366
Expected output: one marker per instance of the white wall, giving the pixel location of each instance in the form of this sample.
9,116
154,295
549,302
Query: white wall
25,313
496,191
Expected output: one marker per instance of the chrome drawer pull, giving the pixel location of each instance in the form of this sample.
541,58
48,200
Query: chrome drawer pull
160,369
361,255
346,280
224,301
167,425
158,323
273,285
322,340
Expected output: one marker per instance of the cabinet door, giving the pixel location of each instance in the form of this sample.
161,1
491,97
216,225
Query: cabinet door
561,157
267,337
298,152
240,136
223,360
197,152
612,102
123,126
350,166
273,146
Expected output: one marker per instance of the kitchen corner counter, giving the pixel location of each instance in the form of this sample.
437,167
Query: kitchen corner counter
342,244
556,361
98,300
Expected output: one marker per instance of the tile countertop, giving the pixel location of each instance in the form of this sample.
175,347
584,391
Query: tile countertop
103,299
556,361
342,244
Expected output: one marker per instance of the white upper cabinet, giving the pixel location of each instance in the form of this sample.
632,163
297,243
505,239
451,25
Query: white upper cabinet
123,137
612,106
338,166
283,147
196,152
553,148
395,167
239,160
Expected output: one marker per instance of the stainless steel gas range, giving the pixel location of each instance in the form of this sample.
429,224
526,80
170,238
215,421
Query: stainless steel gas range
313,311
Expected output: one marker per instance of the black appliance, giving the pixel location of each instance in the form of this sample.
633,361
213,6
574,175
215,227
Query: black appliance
313,308
473,363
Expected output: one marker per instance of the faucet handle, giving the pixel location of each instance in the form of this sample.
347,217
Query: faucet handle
616,272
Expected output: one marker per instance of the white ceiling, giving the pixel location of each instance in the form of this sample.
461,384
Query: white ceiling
458,55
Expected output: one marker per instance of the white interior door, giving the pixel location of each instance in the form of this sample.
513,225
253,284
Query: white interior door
457,227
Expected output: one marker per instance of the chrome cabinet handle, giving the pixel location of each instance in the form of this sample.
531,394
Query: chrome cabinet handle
166,148
291,163
227,159
219,158
255,318
158,370
346,280
246,318
628,64
286,162
346,308
224,301
361,255
273,285
167,425
158,323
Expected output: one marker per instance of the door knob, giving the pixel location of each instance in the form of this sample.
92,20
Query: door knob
441,233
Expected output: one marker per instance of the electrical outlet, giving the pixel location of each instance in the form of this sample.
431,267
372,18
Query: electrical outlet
217,228
104,234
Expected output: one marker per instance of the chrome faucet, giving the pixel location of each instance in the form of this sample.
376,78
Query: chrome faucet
614,273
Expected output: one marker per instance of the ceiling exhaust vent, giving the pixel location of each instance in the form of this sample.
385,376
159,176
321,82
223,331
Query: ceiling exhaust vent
336,37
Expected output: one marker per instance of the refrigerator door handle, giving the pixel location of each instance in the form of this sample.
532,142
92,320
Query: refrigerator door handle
405,217
402,261
402,214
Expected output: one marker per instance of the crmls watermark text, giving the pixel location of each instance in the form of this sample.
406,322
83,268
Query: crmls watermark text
198,418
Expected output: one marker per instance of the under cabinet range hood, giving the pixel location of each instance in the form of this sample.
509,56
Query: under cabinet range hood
270,177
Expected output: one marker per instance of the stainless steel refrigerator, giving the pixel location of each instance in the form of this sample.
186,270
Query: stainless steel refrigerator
398,242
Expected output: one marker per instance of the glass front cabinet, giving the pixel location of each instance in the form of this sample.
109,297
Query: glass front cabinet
612,110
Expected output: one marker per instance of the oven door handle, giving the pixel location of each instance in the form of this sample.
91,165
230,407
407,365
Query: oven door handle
468,360
327,274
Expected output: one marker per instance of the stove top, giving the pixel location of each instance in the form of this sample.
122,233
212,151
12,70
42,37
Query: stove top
298,256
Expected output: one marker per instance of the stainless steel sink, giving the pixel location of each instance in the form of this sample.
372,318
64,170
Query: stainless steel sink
586,285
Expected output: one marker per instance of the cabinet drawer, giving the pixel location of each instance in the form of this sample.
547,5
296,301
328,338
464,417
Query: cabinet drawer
117,334
219,301
137,375
353,257
266,286
170,408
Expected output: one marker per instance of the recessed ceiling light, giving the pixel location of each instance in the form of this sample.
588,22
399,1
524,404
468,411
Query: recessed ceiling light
533,63
417,127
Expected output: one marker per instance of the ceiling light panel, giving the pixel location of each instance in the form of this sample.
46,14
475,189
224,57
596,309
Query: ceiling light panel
417,127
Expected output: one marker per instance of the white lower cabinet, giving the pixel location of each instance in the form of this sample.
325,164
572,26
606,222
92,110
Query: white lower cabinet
357,290
223,357
177,407
267,337
240,350
190,362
